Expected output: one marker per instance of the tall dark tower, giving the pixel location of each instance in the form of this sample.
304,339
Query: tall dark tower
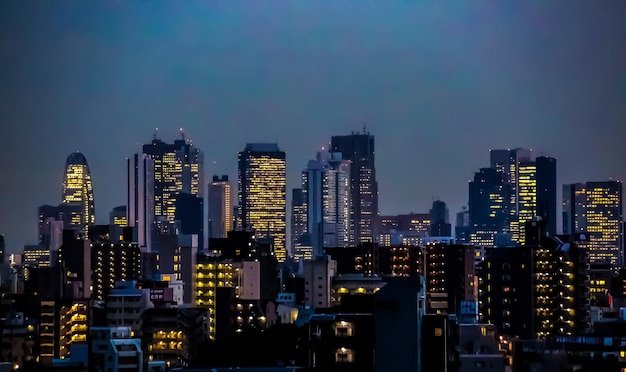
358,148
489,196
546,192
2,248
439,225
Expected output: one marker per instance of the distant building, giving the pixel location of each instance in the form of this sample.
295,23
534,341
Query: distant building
262,193
118,216
220,207
36,256
489,206
155,178
78,191
299,225
358,148
326,194
462,228
595,208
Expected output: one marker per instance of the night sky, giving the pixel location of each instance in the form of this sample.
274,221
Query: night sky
439,84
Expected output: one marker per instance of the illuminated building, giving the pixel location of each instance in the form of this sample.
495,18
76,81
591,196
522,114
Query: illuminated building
113,262
526,198
220,207
537,290
155,178
449,277
489,203
118,216
172,335
359,150
36,256
262,193
62,323
595,208
78,191
326,194
508,162
299,224
353,284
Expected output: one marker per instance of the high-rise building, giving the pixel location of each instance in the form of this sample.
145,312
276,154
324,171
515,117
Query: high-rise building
155,178
489,203
117,216
326,189
220,207
78,190
595,208
449,277
298,218
528,189
462,227
537,290
358,148
262,193
439,225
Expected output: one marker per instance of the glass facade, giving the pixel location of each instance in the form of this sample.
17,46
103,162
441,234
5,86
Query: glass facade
78,191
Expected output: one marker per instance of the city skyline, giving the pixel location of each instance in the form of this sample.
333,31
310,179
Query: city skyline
436,103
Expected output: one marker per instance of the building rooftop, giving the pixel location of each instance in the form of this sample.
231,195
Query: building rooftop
262,147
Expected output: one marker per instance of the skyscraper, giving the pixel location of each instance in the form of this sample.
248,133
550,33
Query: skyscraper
595,208
439,225
155,178
78,191
326,192
298,217
546,192
220,207
2,248
359,150
262,193
489,202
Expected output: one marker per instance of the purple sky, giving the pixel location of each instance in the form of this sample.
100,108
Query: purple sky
438,83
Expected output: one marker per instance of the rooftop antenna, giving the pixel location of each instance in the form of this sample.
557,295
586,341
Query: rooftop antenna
182,134
156,132
364,127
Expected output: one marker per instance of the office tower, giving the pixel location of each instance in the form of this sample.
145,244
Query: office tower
546,192
489,203
117,216
449,277
595,208
537,290
155,178
298,219
325,188
78,190
439,225
359,150
462,227
262,193
220,207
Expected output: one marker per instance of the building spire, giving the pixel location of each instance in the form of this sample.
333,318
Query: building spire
364,127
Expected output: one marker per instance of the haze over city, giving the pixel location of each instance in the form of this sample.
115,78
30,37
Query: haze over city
438,85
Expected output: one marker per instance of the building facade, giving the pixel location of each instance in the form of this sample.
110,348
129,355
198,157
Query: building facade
78,191
220,207
595,208
262,193
155,178
358,148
